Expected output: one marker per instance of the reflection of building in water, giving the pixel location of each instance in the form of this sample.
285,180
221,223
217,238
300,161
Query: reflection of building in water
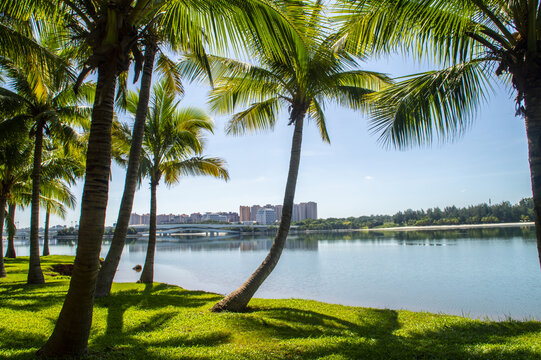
208,244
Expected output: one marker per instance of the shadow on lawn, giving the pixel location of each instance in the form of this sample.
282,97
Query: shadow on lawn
124,340
371,334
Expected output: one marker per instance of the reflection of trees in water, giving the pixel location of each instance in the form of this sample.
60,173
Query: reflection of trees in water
244,244
310,241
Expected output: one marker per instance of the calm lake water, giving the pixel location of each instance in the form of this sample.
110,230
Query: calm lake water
477,273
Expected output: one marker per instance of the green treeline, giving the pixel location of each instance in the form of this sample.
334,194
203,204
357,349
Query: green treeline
450,215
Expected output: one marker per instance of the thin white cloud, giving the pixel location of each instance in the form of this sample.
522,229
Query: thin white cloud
369,178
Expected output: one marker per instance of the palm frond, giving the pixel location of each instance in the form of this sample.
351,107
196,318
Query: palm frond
258,117
433,104
195,166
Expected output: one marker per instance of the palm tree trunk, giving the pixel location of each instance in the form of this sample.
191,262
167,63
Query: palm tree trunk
238,299
532,101
3,200
110,265
46,234
147,276
10,253
35,275
70,336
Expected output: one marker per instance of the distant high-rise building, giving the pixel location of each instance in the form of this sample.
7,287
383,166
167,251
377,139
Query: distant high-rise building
253,212
232,217
195,218
266,216
213,217
135,219
244,213
311,210
278,210
296,216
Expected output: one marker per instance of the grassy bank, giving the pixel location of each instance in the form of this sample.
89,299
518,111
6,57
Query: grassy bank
167,322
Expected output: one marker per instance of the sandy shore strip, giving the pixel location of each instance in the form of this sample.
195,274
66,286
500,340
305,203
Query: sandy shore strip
453,227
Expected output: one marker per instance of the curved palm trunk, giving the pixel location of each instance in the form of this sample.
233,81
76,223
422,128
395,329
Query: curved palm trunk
238,299
3,201
532,101
10,253
70,336
35,275
147,276
110,265
46,234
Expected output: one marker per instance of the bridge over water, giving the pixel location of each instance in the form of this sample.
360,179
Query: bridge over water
191,229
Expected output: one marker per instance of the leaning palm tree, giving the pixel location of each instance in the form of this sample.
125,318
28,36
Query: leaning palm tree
478,42
301,82
172,146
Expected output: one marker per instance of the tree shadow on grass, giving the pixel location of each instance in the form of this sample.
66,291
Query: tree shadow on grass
377,334
290,323
137,340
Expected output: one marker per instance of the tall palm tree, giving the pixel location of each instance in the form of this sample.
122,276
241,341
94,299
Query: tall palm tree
478,42
301,81
50,104
172,146
167,69
55,197
12,229
15,166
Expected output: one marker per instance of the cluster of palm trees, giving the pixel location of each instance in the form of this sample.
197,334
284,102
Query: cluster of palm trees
302,54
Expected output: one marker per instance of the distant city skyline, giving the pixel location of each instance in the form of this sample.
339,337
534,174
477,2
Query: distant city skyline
257,213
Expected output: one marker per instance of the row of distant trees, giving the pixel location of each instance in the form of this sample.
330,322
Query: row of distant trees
450,215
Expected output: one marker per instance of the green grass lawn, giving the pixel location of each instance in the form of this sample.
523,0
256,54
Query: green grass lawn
168,322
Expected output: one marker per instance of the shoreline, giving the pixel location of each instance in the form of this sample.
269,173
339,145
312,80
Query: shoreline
453,227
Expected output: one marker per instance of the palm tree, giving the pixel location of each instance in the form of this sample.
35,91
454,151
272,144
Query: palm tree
302,81
56,196
172,144
478,42
50,104
108,33
166,68
10,225
15,166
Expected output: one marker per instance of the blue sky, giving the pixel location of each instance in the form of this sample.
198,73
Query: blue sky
354,175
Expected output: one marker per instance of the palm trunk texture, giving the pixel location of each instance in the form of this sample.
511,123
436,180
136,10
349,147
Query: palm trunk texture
147,276
110,265
70,336
238,300
46,234
10,253
35,275
3,200
532,101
